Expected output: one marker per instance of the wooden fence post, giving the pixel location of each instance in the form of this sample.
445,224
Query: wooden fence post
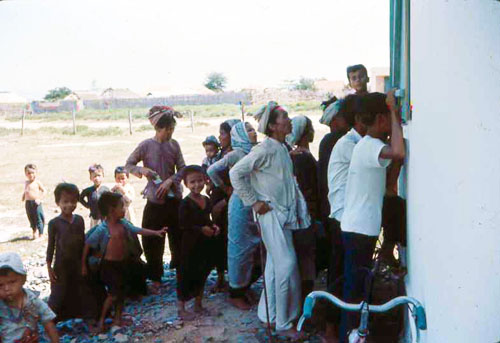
130,121
22,122
191,113
73,114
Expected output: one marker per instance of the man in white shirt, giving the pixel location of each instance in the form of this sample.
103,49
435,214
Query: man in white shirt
264,180
361,219
338,168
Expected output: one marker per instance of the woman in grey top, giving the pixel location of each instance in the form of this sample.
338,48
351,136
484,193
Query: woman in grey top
163,162
243,237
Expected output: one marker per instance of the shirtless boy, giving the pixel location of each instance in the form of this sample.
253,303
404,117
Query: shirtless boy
32,197
115,239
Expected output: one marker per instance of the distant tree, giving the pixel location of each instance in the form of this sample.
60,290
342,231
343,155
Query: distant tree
57,93
304,84
216,82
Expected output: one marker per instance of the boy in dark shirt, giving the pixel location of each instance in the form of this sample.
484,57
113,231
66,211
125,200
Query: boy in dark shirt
66,239
90,196
198,232
114,238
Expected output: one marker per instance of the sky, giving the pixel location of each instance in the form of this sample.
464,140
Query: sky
146,45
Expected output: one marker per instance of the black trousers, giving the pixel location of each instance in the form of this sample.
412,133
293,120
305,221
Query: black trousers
35,215
335,280
155,217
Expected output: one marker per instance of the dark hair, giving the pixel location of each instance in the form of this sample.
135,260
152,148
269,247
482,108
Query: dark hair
348,108
68,188
121,170
355,68
5,271
96,167
29,166
107,201
225,127
370,105
165,122
309,129
327,103
191,169
273,116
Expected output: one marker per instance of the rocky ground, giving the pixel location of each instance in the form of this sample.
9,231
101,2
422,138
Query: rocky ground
154,317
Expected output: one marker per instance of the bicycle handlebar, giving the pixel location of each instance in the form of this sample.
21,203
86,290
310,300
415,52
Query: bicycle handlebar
419,314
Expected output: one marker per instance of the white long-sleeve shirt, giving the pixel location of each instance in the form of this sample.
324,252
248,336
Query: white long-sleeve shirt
338,169
266,174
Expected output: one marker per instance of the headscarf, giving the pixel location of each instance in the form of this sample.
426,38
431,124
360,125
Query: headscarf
228,124
240,139
262,115
331,111
157,112
299,125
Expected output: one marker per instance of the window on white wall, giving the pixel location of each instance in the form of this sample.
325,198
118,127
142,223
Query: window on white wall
400,54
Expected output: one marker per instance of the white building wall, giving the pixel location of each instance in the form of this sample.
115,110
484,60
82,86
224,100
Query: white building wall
454,168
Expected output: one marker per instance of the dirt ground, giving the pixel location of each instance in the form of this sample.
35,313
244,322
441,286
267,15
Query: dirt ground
66,158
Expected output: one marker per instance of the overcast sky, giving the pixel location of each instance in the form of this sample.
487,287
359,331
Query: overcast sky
145,45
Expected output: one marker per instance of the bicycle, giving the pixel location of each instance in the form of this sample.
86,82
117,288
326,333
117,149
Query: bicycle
359,335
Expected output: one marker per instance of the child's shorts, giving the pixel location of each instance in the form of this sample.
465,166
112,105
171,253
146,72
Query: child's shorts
35,215
113,275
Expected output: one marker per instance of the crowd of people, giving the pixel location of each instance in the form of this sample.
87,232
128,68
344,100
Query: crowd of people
249,205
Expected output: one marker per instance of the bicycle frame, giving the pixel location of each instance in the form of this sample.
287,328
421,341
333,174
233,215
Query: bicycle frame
362,331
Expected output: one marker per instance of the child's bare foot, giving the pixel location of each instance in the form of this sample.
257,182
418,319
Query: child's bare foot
100,327
240,303
34,236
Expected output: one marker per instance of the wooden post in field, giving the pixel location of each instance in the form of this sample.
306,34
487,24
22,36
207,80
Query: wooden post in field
242,107
130,121
22,122
191,114
73,114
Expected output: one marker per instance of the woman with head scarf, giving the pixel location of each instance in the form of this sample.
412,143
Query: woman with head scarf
243,237
163,162
305,171
220,198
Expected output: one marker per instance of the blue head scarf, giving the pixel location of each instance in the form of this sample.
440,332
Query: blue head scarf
240,139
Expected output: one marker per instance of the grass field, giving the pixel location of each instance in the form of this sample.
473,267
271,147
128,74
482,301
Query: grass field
60,155
200,111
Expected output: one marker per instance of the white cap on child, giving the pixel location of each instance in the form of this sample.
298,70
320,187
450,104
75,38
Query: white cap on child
12,261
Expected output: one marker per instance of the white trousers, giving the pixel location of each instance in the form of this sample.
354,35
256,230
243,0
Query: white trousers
282,273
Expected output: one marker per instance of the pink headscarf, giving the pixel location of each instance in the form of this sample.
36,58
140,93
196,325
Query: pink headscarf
157,112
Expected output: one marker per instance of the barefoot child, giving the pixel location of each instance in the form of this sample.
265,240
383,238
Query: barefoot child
32,196
66,239
198,231
123,187
90,196
115,240
20,309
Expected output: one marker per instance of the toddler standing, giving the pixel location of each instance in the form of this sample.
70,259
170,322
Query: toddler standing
91,195
32,196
